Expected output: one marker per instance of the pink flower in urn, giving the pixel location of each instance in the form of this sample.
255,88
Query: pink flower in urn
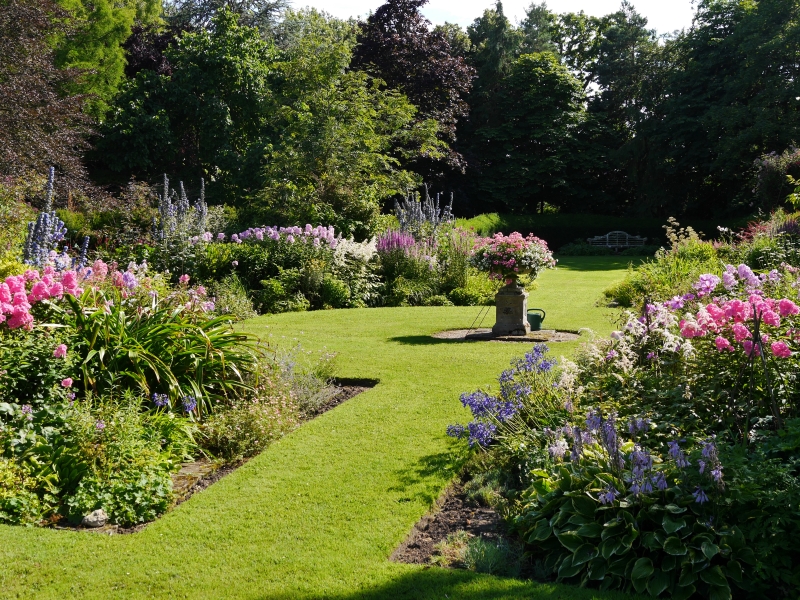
67,383
781,350
60,351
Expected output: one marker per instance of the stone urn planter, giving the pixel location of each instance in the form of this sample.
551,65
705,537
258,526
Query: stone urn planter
506,258
512,310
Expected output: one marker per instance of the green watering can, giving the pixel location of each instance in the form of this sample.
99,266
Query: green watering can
536,319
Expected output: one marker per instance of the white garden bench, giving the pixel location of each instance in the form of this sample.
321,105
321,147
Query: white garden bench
617,240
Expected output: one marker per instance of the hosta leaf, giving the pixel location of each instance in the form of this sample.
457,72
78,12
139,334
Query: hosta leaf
674,546
714,576
541,532
734,570
584,505
657,583
675,509
584,554
683,592
710,550
668,563
567,569
597,569
613,529
671,524
571,541
590,530
642,569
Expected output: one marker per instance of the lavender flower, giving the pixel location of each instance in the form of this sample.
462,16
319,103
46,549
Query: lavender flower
100,425
706,284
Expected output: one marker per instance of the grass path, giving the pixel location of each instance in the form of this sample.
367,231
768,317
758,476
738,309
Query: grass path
318,513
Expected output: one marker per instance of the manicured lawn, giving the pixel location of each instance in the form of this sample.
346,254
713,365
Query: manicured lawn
319,512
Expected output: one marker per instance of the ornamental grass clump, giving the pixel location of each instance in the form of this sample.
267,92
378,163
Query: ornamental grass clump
508,257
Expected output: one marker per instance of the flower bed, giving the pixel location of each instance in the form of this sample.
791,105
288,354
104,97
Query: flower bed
662,461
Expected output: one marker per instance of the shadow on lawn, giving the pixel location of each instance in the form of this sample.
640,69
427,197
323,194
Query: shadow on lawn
425,340
426,583
421,480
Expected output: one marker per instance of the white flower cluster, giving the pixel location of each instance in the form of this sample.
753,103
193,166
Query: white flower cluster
345,250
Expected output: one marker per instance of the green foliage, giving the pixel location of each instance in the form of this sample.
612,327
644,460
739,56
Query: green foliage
161,349
19,502
649,546
15,216
582,248
129,497
290,136
231,298
96,46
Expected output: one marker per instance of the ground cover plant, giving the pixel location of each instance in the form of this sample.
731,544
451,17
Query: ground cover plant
661,461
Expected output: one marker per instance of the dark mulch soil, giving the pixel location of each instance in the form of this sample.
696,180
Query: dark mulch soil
347,389
452,513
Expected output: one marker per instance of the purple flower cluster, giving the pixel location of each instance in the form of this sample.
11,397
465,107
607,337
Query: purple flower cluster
535,361
189,403
483,405
609,495
678,455
314,235
477,433
160,400
392,241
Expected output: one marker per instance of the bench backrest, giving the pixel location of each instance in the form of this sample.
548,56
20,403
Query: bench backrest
617,239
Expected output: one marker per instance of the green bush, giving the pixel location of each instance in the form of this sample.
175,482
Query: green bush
334,293
19,500
438,300
129,496
231,298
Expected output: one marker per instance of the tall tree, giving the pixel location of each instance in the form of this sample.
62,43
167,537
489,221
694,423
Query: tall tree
41,125
99,29
397,45
538,29
530,156
284,132
194,14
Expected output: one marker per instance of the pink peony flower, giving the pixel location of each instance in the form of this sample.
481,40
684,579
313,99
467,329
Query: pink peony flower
67,383
781,350
60,351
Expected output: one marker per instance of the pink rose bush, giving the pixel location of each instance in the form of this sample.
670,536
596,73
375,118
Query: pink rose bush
506,257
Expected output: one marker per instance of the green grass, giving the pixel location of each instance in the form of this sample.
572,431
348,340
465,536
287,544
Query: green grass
318,513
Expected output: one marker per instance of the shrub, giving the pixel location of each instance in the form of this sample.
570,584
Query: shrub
438,300
244,428
231,298
19,500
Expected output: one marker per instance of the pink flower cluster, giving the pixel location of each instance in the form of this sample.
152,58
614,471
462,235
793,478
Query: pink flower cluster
507,256
18,294
735,318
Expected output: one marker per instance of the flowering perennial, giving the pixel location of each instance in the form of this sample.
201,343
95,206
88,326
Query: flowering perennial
506,257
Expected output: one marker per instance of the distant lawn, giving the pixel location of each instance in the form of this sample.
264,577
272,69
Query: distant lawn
559,229
319,512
